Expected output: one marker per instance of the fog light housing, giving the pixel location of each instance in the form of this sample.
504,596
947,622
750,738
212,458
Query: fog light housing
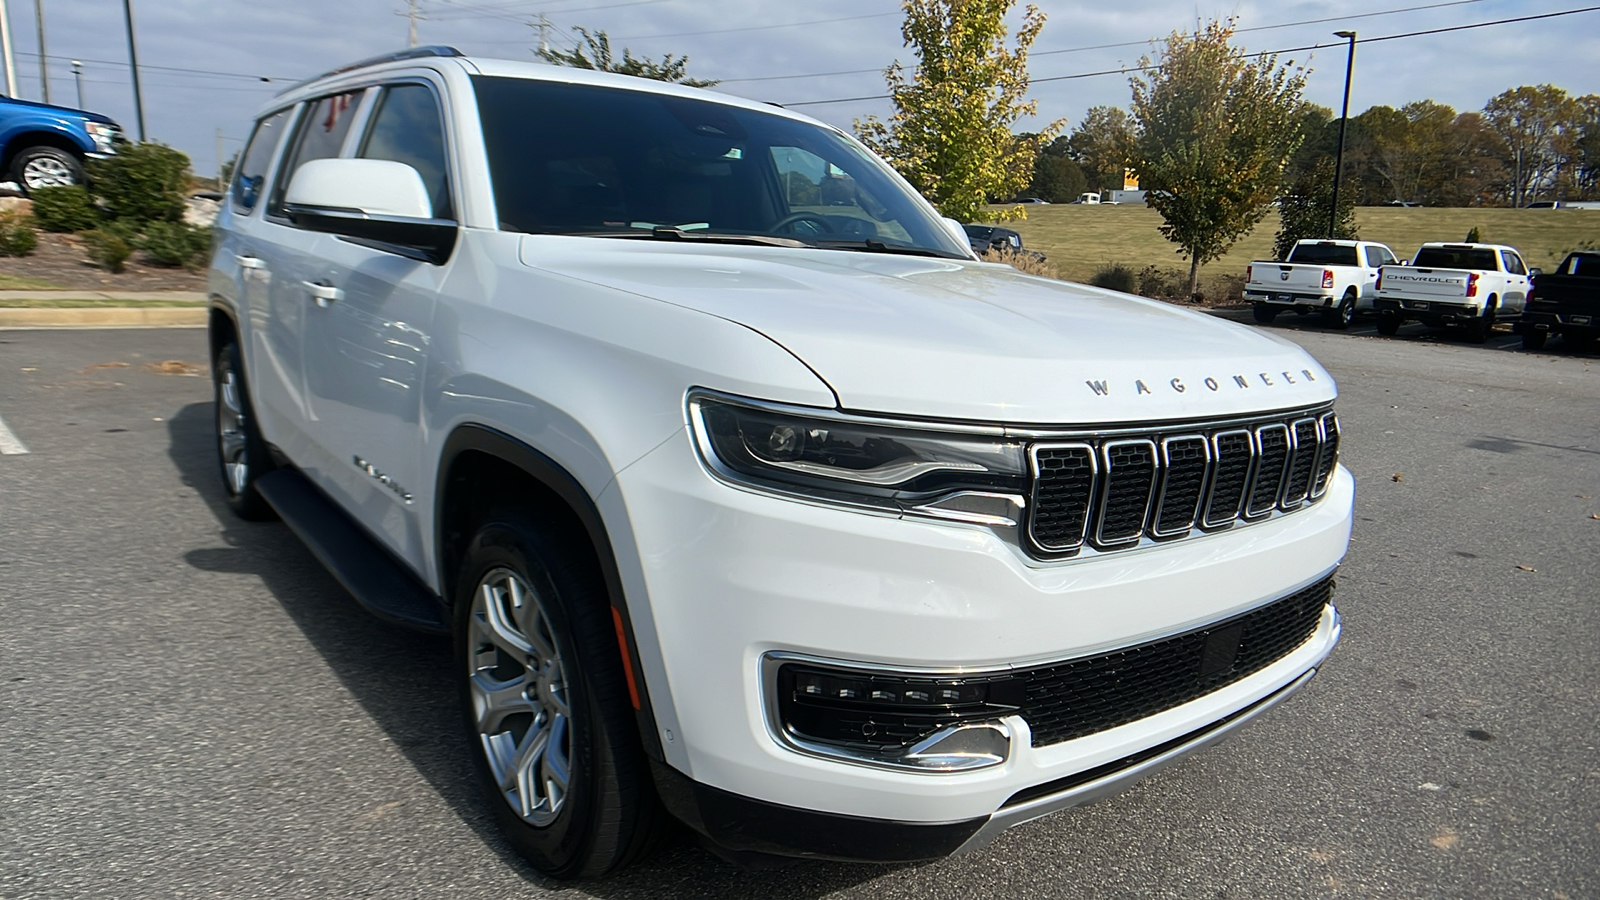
941,723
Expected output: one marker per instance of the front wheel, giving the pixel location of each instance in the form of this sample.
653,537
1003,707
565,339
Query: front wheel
1264,312
547,706
38,167
242,455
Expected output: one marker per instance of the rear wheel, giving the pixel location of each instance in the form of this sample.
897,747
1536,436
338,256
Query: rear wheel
1340,316
242,455
547,705
1477,330
1389,326
38,167
1264,312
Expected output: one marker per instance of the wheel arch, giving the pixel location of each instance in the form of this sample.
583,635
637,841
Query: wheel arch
479,468
25,140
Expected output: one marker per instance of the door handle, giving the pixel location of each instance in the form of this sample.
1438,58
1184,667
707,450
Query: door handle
250,262
323,293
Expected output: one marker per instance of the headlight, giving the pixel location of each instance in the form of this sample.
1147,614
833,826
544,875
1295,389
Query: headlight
973,475
103,135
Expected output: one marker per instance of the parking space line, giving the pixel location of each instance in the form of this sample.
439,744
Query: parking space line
10,445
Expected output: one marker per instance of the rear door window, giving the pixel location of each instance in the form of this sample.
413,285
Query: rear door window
407,128
1513,263
321,136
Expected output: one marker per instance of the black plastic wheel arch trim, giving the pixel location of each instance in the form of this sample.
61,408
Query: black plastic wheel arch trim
742,825
545,471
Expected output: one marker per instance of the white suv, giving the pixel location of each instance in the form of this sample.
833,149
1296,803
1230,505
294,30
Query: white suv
748,494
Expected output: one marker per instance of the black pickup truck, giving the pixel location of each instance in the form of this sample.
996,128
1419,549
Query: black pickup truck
1565,301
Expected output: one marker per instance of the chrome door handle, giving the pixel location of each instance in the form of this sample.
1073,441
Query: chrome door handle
250,262
324,293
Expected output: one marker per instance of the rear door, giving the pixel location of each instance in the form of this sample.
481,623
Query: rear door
367,345
1516,292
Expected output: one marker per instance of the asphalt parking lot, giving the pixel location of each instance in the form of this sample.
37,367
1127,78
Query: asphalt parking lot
191,707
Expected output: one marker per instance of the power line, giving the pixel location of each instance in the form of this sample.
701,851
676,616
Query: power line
1143,43
1373,40
642,37
124,64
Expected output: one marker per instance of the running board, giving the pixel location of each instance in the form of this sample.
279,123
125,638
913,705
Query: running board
368,571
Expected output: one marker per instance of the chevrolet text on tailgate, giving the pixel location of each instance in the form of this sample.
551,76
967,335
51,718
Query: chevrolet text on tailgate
1453,284
748,495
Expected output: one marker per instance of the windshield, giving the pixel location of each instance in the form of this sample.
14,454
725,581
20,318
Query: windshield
599,161
1323,255
1455,258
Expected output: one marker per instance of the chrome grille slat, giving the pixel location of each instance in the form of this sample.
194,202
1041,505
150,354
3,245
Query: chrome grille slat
1116,491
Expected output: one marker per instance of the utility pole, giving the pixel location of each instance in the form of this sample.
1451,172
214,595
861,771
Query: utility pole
44,62
413,14
77,75
1344,119
220,163
133,63
544,26
5,50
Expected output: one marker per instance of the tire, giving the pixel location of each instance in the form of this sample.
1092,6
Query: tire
1264,312
532,613
38,167
242,456
1340,316
1477,330
1388,326
1534,340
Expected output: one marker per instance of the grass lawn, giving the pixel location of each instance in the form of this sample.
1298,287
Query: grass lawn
1081,239
92,303
14,283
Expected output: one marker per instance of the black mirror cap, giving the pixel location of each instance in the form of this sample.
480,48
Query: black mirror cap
431,240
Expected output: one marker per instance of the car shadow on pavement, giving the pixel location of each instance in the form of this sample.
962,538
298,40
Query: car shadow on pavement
402,679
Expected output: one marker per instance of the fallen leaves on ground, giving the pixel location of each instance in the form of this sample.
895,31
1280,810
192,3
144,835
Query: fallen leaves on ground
1527,568
174,367
1446,838
105,365
1396,477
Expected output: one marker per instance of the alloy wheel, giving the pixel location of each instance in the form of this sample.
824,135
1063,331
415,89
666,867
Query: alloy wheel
520,696
231,432
46,172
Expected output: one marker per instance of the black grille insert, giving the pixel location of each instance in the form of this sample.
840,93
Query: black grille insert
1084,696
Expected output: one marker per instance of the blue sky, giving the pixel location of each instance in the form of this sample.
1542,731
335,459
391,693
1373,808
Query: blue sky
751,42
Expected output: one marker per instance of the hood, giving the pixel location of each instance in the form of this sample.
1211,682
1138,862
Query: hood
59,110
951,339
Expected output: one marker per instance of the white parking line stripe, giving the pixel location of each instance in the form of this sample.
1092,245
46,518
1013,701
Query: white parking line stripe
9,445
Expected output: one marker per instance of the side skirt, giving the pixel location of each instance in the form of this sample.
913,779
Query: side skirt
367,570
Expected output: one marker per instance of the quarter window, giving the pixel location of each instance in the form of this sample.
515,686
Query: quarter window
407,129
321,136
251,172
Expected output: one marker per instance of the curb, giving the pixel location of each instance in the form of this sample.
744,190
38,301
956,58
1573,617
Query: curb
104,317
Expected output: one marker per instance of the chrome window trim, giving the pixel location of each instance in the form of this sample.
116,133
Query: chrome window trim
1166,473
1089,504
1103,492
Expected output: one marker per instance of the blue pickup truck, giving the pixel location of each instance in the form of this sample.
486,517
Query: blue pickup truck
45,146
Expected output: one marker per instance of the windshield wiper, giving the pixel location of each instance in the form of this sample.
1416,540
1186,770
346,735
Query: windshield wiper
670,233
871,246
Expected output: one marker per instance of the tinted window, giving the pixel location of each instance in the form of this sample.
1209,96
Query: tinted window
1455,258
1513,263
577,159
251,173
1586,265
1323,255
321,136
407,128
1375,257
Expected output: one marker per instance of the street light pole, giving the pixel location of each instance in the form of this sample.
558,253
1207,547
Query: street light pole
1344,119
44,67
133,63
5,50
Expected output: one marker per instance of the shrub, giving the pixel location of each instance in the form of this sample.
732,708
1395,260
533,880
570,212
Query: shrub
17,237
142,182
63,209
1154,282
175,244
107,250
1474,236
1116,277
1025,263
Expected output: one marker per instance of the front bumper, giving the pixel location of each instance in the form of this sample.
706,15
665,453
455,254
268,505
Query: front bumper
733,576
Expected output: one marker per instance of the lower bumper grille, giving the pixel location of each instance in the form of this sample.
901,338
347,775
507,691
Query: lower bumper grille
1084,696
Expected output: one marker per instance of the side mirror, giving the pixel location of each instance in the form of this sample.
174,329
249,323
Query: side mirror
370,200
957,232
1535,273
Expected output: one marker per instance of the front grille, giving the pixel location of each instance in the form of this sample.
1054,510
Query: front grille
1077,698
1112,493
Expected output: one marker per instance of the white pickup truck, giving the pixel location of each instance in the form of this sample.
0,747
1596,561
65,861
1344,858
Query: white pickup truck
1335,278
1453,284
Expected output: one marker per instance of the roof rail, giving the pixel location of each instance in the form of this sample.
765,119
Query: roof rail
409,53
